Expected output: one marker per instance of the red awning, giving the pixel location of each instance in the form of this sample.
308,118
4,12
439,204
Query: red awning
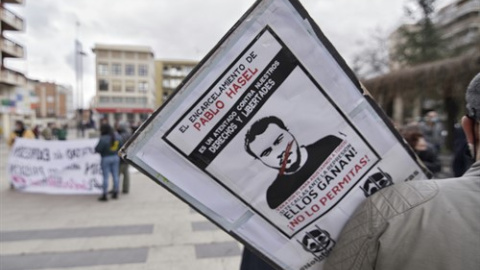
123,110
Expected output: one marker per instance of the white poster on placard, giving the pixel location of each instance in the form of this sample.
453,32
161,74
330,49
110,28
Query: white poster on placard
55,167
272,138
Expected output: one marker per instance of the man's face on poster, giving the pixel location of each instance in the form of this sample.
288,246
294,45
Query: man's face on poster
270,147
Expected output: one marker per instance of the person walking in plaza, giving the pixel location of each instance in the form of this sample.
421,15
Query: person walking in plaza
107,147
20,131
124,132
428,225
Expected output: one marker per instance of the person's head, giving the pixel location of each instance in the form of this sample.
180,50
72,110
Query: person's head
122,127
431,116
105,129
416,140
471,121
268,139
19,126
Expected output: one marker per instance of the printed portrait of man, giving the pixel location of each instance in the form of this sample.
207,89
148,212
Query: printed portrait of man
269,140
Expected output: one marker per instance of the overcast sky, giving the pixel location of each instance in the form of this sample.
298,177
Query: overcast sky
174,29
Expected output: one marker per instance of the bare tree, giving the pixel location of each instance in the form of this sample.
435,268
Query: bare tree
372,59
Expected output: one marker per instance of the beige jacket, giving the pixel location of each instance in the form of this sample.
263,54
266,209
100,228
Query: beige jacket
418,225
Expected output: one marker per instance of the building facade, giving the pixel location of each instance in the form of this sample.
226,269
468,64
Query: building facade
459,24
125,82
53,101
12,83
169,74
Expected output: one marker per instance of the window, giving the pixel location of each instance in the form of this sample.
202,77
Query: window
171,83
142,70
102,69
116,85
117,99
117,116
130,117
103,85
104,99
116,69
142,100
130,70
50,99
142,86
129,86
130,100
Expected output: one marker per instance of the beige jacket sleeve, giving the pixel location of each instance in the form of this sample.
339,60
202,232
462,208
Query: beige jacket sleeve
358,245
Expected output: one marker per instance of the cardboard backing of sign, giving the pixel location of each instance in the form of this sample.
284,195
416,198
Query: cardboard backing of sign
273,139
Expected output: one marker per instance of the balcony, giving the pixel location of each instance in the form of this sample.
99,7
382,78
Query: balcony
13,78
472,23
10,48
452,12
10,21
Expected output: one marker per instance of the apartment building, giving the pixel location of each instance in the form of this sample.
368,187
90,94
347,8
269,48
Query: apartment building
125,84
459,24
10,80
169,74
53,101
459,27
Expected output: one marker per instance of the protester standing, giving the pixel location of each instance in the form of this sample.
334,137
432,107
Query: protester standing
124,132
62,133
108,147
20,131
36,131
47,132
432,130
428,225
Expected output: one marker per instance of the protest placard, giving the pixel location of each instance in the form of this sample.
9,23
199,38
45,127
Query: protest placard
55,167
273,139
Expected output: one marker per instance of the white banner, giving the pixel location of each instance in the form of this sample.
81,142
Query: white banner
56,167
273,139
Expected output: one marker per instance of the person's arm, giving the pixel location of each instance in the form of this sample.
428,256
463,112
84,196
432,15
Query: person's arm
11,139
100,146
357,246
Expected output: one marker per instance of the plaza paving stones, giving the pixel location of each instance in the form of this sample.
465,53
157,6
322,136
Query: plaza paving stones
75,232
147,229
215,250
203,226
73,259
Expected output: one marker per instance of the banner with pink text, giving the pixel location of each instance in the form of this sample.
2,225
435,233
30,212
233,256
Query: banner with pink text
56,167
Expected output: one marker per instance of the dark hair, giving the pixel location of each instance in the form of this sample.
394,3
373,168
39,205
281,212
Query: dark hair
472,97
258,128
106,129
412,137
20,122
